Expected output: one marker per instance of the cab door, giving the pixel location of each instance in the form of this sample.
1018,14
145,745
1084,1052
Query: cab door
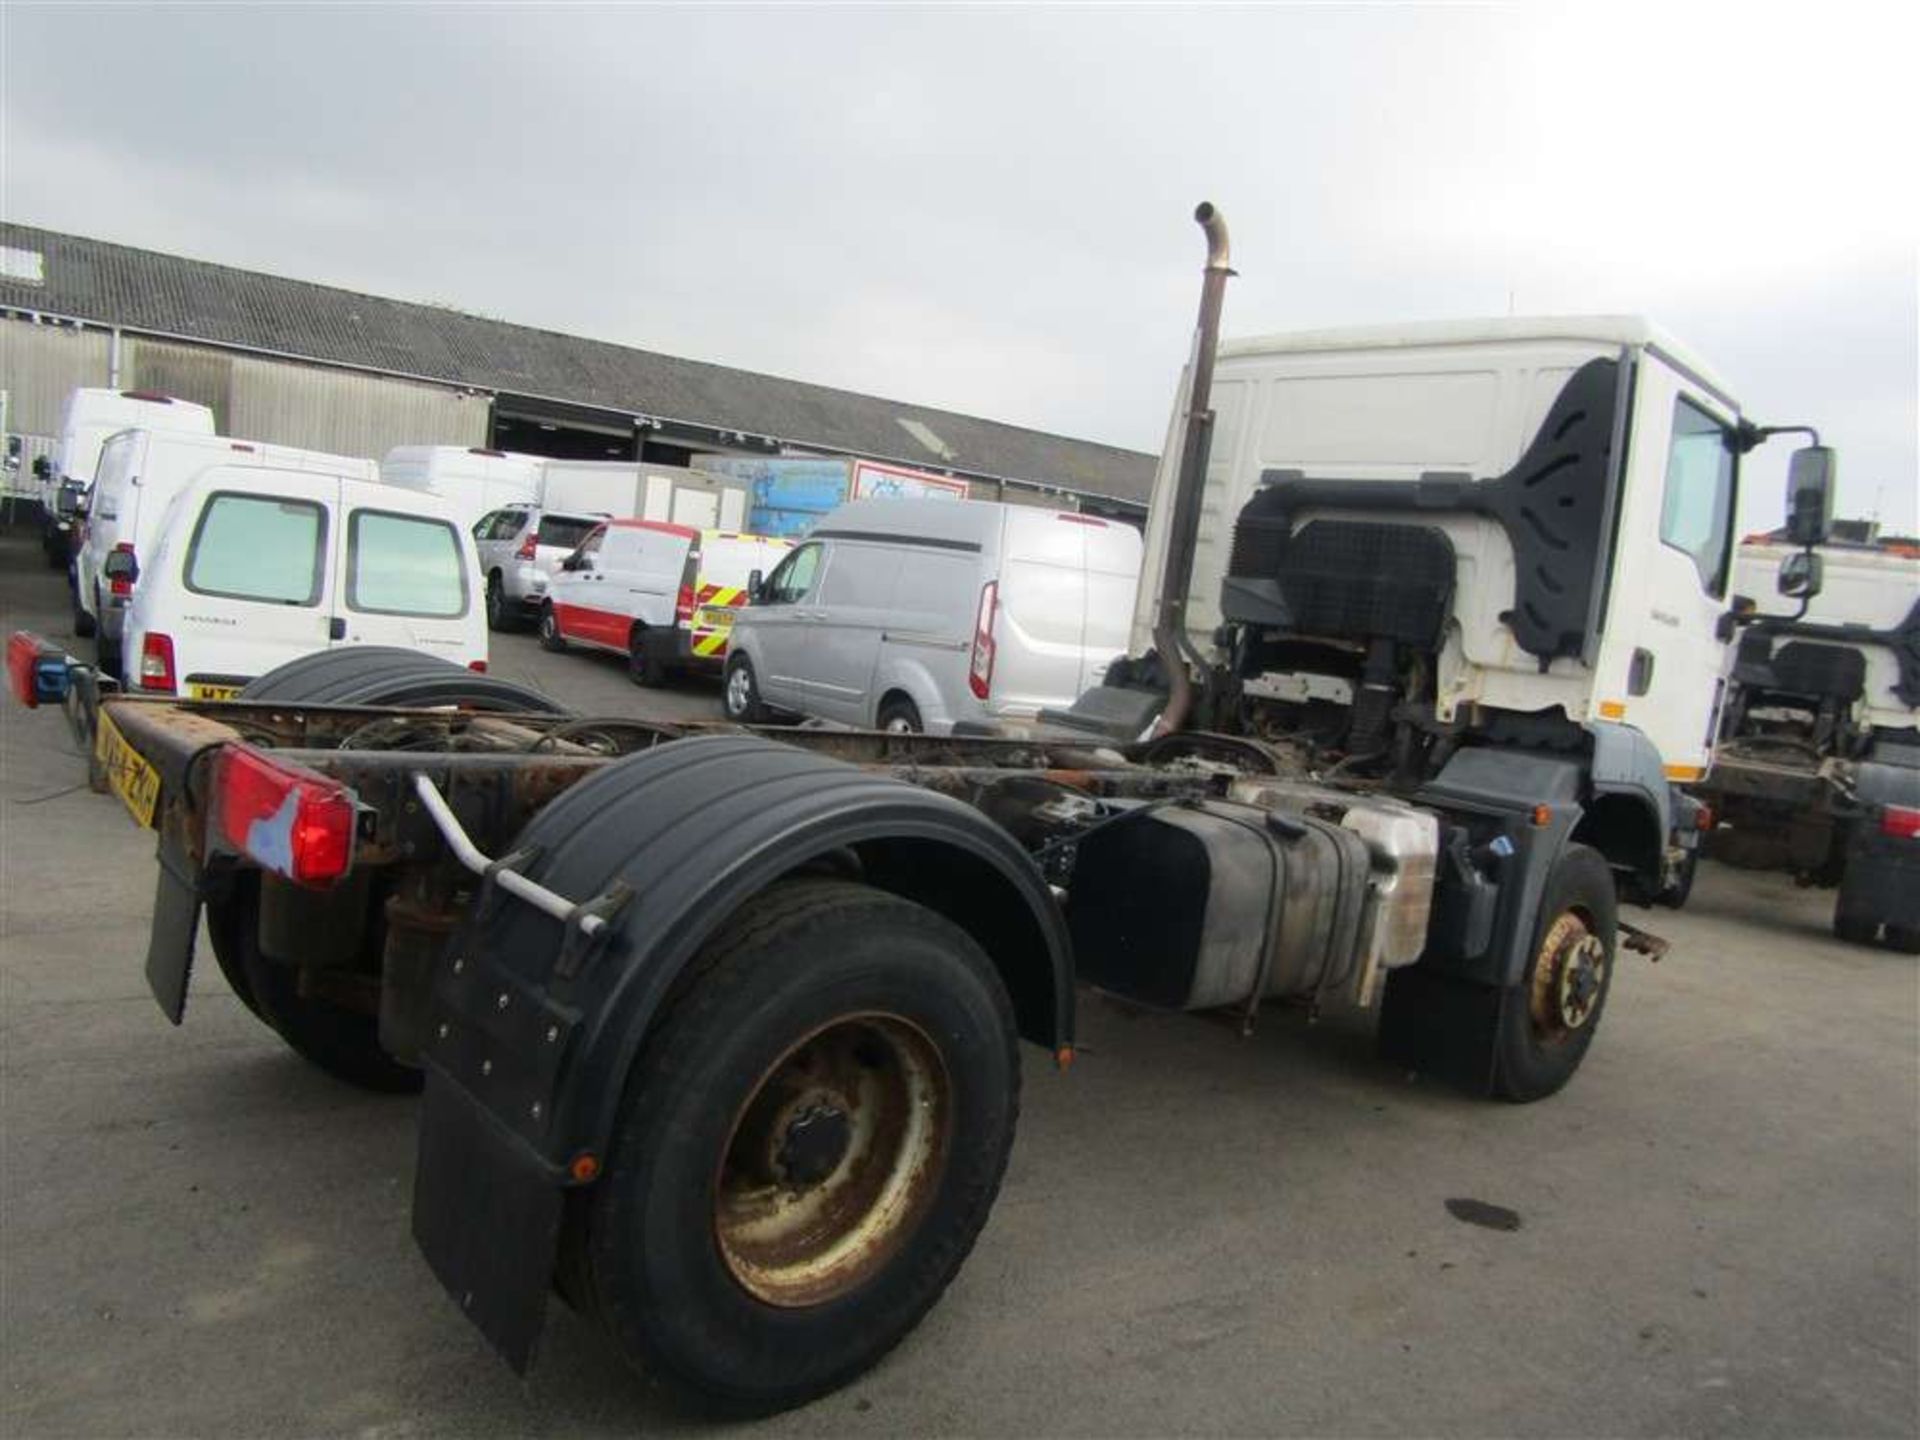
573,586
1665,660
782,618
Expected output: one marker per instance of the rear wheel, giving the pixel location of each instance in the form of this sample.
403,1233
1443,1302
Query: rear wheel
391,675
1547,1021
1854,929
740,692
900,716
550,636
106,650
342,1041
497,616
807,1149
643,668
82,621
1904,938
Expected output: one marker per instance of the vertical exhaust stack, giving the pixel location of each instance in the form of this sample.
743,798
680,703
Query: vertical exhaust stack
1170,638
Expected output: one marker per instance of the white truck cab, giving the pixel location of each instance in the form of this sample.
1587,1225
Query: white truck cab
1601,602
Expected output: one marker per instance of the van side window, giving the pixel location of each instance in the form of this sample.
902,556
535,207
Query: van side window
404,565
255,547
1696,513
793,579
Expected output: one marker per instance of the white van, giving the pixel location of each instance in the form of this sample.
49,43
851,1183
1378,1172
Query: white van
663,595
92,415
917,614
256,565
140,472
475,482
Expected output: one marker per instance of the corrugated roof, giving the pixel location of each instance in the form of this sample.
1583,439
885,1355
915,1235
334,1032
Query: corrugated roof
144,290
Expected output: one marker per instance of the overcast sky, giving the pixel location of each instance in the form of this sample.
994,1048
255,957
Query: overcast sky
987,210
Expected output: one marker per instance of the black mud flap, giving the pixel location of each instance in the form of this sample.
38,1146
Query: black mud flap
486,1214
1441,1025
176,920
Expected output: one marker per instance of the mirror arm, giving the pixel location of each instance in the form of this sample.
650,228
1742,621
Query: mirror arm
1748,436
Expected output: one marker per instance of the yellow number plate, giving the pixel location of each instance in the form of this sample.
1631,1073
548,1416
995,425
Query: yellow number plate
128,774
713,620
198,691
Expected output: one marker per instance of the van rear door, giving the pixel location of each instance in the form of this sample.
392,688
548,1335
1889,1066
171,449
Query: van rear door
257,588
408,578
1113,576
1040,626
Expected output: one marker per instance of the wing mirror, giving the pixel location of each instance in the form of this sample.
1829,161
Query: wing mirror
1810,476
575,561
755,582
1801,574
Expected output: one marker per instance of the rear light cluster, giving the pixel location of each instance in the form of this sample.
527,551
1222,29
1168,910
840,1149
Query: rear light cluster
156,664
36,670
1902,822
980,668
683,607
121,577
290,821
529,547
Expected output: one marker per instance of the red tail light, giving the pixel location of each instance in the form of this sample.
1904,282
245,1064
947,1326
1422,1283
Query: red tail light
683,607
290,821
529,547
1902,822
122,583
980,671
156,664
479,667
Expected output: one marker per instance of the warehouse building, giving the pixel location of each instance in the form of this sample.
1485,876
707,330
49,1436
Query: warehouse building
310,365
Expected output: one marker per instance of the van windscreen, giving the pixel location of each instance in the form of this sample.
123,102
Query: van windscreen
563,531
404,565
257,547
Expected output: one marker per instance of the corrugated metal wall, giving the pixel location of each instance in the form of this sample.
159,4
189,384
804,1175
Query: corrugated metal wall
347,412
40,365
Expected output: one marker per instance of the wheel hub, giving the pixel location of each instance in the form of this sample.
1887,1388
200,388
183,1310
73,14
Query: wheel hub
1569,975
832,1160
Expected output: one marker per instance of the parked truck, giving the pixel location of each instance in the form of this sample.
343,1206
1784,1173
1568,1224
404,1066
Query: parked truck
718,1027
1818,767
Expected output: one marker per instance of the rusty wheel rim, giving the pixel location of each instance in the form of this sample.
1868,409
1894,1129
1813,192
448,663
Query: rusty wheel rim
1569,976
832,1162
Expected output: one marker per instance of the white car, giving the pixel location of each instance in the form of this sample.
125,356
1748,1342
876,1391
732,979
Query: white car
254,566
520,547
919,614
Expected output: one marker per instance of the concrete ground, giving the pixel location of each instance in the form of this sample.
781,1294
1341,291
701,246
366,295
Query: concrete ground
1198,1234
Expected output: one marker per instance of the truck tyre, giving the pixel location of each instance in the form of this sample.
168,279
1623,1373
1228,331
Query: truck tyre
1548,1019
809,1143
1904,938
1854,929
900,716
643,669
344,1043
497,616
226,927
391,675
550,636
740,692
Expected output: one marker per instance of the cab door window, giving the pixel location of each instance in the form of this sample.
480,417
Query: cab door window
1696,512
793,580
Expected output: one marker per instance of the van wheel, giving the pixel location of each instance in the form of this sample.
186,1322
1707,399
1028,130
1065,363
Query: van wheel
497,617
900,716
642,668
550,636
82,621
740,695
1854,928
806,1149
1548,1019
105,652
1904,938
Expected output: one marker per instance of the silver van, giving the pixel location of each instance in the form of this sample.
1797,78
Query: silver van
917,614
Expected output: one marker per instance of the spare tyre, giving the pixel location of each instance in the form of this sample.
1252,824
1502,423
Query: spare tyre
391,675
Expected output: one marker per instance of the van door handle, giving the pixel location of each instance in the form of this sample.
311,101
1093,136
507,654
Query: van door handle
336,628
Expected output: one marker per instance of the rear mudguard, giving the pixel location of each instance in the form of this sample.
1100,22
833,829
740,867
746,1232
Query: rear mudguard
534,1027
